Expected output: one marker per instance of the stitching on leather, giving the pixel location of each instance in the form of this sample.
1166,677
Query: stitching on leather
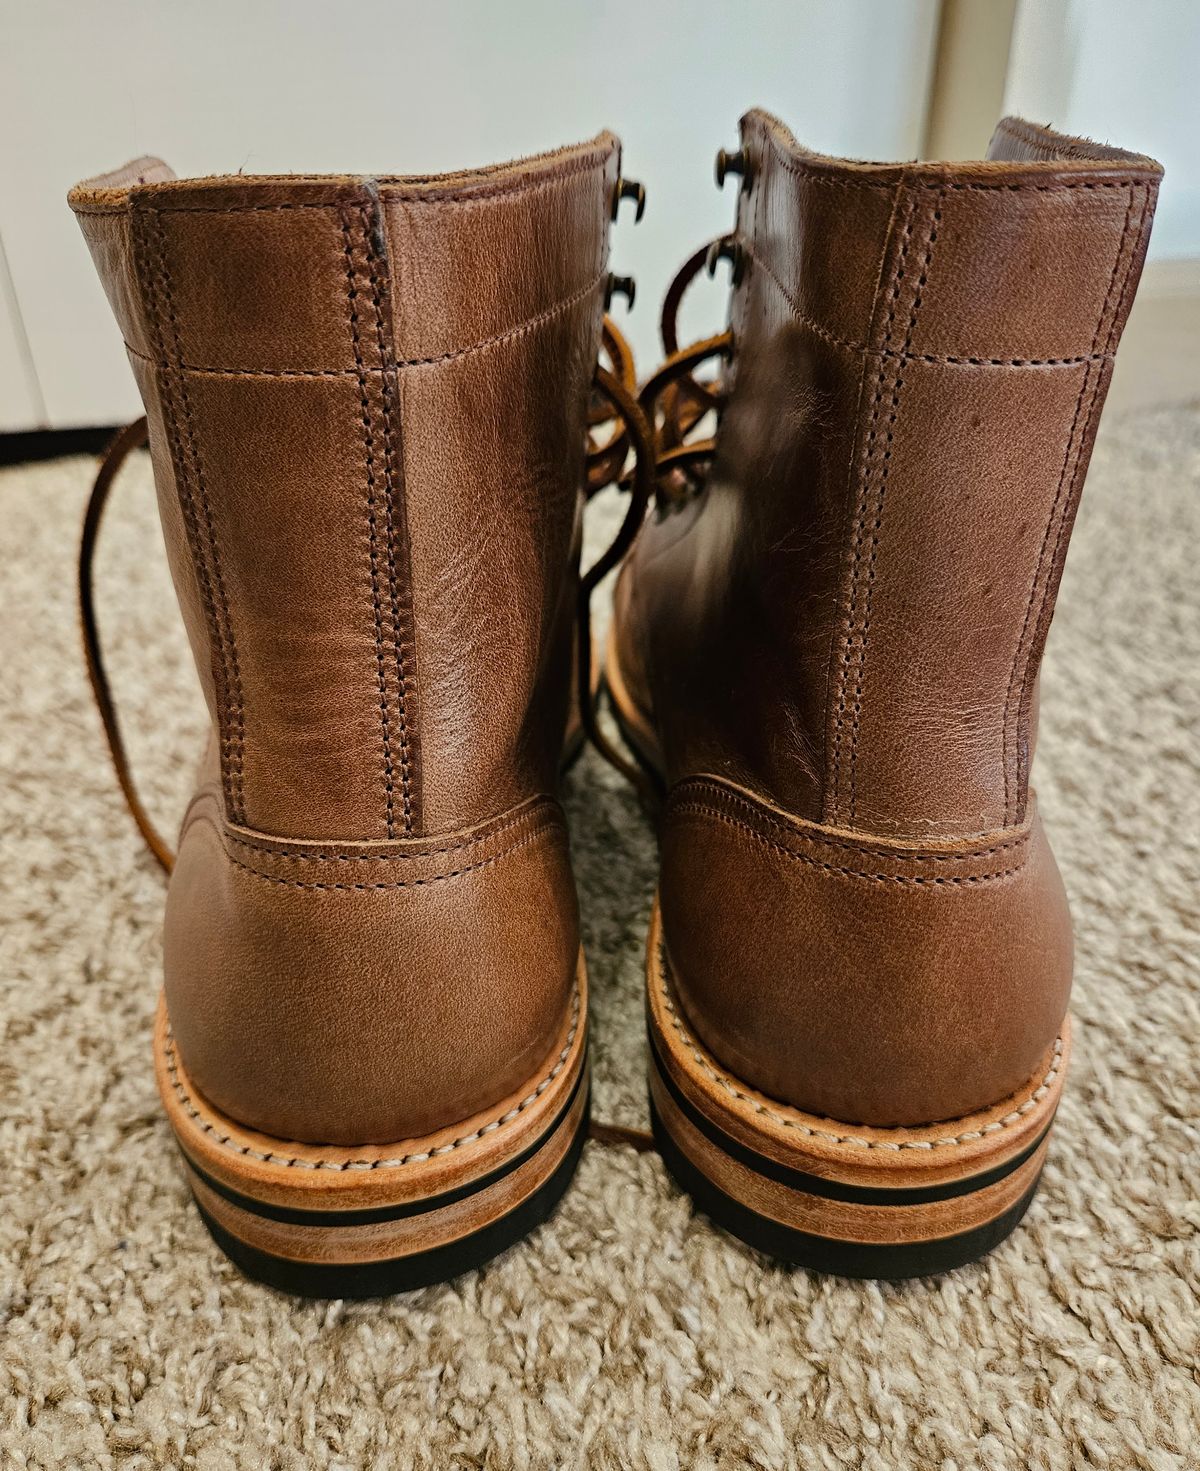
850,645
485,195
119,207
919,880
305,856
389,493
963,360
806,174
977,362
968,1136
229,646
854,646
368,432
800,171
1065,481
234,735
860,512
1125,301
903,855
802,320
881,491
421,883
298,1162
801,317
521,330
476,196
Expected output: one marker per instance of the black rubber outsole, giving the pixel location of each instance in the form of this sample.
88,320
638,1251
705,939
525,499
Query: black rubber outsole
419,1269
869,1260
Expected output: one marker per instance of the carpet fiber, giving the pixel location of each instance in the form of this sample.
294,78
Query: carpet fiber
627,1332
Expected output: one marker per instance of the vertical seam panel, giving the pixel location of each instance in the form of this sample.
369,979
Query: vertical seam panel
194,502
368,434
373,226
876,530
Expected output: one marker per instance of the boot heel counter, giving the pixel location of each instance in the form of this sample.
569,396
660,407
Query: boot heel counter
859,978
368,993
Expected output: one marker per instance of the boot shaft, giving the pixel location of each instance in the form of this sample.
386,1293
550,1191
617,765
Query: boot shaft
367,403
830,650
921,356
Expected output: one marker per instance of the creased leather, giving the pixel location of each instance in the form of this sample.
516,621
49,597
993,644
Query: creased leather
367,402
848,622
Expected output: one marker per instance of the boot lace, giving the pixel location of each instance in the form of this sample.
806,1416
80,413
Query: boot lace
676,401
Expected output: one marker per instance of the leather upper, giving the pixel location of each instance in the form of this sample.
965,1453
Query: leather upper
843,629
367,402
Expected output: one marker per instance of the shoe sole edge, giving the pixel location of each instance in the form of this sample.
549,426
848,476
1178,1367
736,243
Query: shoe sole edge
370,1220
841,1198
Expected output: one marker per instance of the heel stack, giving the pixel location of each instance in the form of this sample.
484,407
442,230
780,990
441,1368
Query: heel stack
835,1197
325,1221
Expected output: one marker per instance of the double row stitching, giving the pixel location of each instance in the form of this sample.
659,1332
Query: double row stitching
510,334
852,649
212,583
390,523
931,881
298,1162
422,883
372,528
968,1136
877,525
856,541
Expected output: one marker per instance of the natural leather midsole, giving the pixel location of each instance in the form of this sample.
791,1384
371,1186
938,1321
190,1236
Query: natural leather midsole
821,1185
836,1220
372,1215
348,1241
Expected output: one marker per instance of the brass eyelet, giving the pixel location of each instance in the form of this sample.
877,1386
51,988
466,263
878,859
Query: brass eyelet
733,163
729,248
624,286
629,189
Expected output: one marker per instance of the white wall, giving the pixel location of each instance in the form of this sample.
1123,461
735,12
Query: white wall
20,401
1125,72
275,85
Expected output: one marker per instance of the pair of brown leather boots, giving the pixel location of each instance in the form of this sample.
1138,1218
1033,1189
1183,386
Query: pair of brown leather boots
374,414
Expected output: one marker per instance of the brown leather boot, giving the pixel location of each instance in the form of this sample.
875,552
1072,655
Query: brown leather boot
367,403
827,646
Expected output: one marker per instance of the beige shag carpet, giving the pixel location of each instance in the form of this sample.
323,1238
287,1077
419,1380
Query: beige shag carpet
627,1332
